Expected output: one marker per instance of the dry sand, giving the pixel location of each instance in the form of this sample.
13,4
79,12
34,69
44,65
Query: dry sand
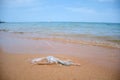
97,63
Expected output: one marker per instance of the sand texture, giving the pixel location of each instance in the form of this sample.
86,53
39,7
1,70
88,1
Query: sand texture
97,63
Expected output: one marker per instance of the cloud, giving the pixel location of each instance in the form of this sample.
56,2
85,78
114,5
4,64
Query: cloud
81,10
17,3
106,0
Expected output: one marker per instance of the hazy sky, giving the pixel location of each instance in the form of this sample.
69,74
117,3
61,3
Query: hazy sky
60,10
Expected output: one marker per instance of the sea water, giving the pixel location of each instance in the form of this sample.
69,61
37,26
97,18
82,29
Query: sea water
98,33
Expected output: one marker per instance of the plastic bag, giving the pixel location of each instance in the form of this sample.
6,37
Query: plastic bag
51,60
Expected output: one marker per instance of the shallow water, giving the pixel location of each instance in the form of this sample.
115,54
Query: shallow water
98,33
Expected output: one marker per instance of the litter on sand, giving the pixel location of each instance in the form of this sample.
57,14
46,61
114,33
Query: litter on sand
52,60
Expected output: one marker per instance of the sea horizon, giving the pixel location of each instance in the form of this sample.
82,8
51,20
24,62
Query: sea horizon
58,22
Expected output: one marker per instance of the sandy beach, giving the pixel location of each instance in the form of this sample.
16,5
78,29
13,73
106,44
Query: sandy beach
16,53
69,39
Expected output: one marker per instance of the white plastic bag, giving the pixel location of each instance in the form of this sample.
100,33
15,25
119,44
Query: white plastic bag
52,59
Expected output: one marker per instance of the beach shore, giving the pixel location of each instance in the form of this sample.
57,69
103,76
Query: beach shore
97,63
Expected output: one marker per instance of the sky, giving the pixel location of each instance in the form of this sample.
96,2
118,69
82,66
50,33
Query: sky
60,10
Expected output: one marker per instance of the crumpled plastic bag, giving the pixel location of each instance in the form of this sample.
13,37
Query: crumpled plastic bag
52,59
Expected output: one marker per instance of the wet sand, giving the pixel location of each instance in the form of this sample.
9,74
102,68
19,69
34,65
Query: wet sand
97,63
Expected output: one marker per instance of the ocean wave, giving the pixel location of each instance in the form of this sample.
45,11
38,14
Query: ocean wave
4,30
94,43
87,39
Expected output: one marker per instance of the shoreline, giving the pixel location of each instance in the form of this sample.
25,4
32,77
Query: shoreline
16,52
23,35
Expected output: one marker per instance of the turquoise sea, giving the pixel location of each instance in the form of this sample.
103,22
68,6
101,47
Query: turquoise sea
99,33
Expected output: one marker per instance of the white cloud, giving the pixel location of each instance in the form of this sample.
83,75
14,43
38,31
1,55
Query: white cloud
17,2
81,10
106,0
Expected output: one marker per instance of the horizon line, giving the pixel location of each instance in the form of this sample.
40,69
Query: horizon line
56,21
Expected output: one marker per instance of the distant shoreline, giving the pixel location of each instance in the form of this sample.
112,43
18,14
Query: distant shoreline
2,22
63,22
